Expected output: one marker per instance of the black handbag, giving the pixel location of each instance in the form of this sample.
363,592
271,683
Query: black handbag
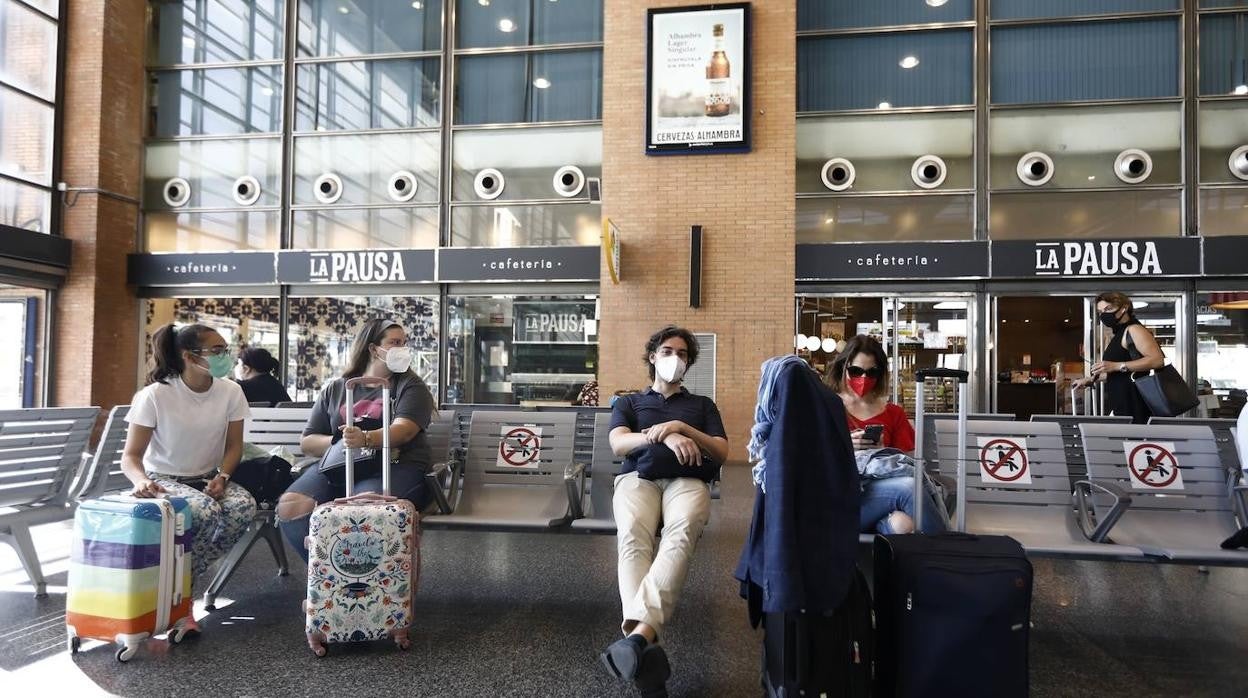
1163,389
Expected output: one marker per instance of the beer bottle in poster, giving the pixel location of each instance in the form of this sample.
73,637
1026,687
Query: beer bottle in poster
718,86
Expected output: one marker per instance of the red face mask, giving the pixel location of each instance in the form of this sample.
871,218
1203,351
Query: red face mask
861,385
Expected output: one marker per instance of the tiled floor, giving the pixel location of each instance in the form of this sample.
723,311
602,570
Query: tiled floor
526,614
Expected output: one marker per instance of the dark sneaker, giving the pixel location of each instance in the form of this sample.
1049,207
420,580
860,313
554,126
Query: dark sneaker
653,673
622,658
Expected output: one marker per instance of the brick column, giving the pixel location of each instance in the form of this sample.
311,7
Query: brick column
745,204
96,318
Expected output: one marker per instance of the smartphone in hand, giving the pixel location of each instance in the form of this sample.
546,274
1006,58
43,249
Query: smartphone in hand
873,432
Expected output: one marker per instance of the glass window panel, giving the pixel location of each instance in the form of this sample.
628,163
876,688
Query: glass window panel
322,330
22,313
488,367
1054,214
1136,59
361,95
1223,3
885,218
526,22
1223,127
25,207
1033,9
27,50
883,148
216,31
25,137
365,165
526,225
50,7
1084,143
1224,54
366,228
1224,211
211,167
819,14
211,231
362,27
519,88
527,158
1222,351
863,72
220,101
242,322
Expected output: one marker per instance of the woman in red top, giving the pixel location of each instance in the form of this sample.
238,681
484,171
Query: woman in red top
859,374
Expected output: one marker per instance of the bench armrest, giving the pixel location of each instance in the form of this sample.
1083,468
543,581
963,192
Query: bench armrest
574,479
715,488
434,481
1086,513
1241,497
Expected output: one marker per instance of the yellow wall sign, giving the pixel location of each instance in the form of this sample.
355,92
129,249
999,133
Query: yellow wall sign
611,248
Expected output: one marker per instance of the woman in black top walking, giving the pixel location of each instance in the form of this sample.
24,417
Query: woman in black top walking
1130,351
255,376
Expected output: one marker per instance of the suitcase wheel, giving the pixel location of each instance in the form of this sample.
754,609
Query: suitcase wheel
74,644
177,636
124,653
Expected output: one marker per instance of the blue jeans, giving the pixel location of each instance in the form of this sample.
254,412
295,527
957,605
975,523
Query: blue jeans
880,498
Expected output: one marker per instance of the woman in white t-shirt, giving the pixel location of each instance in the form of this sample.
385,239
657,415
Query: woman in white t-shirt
186,437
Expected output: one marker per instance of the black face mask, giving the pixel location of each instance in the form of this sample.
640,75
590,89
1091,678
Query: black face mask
1109,319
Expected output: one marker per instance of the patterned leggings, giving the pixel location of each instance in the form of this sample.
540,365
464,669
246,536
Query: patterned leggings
218,523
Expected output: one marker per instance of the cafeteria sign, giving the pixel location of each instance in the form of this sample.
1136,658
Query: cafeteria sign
555,323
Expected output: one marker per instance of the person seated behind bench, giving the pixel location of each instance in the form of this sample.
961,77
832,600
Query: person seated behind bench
380,350
859,374
673,442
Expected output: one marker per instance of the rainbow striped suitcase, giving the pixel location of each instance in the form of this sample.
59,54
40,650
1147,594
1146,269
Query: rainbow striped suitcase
129,572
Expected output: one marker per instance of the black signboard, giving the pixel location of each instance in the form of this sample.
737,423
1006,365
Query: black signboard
1226,256
580,263
892,260
555,322
355,266
1078,259
202,269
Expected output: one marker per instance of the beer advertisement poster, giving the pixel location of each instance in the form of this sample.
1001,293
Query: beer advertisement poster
697,79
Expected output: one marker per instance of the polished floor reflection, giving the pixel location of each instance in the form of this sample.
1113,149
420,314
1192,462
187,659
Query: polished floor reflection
525,615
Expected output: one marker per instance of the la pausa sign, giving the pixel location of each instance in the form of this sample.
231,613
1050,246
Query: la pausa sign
1108,258
356,267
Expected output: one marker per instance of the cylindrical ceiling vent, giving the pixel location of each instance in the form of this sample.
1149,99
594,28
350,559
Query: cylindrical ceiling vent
401,186
327,188
929,171
176,192
489,183
838,174
1035,169
1133,165
246,190
569,180
1238,162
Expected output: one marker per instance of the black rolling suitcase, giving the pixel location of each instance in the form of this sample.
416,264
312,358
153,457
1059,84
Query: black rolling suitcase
953,610
807,654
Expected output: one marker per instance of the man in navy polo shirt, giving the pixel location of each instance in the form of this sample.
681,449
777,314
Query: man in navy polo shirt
673,442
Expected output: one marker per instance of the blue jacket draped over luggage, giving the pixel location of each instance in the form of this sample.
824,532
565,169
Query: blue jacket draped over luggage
802,548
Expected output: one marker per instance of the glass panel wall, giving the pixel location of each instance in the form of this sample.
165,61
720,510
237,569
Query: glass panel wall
28,78
242,322
1223,120
521,349
1222,352
23,323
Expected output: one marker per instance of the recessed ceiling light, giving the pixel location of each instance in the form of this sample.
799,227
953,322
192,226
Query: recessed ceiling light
483,3
416,5
936,3
541,83
506,25
1240,90
343,9
909,62
1091,178
885,105
829,221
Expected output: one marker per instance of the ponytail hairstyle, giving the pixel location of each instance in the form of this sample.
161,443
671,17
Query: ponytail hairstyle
168,343
258,360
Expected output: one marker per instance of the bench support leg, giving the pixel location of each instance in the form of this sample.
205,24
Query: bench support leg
276,545
18,536
261,527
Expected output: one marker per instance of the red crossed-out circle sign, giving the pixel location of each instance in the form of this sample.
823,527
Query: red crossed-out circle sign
1150,460
520,446
999,455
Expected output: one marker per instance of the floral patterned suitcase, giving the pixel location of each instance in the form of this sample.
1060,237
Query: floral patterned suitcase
363,557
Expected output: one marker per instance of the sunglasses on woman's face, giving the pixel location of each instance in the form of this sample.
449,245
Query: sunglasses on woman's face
859,372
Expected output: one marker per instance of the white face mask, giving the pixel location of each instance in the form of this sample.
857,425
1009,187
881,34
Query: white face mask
399,359
670,368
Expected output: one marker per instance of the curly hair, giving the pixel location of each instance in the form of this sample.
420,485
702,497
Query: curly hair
656,340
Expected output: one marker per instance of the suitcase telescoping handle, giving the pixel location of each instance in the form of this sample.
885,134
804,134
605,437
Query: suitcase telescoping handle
370,382
920,377
1089,397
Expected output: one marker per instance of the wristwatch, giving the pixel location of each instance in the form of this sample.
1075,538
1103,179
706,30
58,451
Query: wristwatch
1122,367
222,473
